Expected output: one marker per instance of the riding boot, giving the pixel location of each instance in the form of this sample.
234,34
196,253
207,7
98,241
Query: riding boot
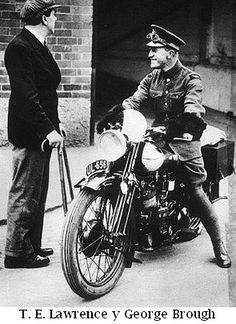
222,257
209,219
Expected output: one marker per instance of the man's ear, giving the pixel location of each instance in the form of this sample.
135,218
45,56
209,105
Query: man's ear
172,53
169,54
44,20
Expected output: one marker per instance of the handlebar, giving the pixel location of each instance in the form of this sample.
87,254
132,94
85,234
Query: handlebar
159,133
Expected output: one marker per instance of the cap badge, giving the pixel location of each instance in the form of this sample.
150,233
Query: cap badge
153,36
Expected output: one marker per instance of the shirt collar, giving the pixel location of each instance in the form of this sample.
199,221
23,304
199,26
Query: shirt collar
37,35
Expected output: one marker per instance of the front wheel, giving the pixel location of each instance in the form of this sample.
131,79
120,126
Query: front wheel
93,257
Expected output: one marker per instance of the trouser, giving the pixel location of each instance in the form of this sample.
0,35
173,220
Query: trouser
26,203
193,174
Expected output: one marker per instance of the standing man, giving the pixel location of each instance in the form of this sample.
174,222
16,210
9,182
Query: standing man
176,94
32,118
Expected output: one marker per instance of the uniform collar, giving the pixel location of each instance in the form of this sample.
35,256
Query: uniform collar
170,73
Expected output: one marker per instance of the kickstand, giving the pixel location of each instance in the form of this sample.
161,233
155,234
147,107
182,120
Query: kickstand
136,260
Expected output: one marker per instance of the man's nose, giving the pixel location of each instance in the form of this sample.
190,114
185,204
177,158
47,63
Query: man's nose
150,54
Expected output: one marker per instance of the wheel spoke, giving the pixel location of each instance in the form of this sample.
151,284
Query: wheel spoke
88,269
88,246
94,262
103,264
99,262
91,261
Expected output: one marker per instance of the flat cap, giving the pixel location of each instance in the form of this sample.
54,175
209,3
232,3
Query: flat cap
36,8
160,37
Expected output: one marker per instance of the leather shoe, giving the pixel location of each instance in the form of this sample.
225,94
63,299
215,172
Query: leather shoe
222,258
30,261
44,252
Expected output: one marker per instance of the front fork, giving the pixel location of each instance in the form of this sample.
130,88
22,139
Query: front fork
124,220
126,194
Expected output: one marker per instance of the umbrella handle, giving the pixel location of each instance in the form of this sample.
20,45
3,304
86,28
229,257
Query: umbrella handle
45,146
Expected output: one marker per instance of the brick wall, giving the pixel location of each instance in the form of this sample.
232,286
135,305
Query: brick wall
71,46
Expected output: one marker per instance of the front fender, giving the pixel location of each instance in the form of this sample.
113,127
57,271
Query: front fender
95,182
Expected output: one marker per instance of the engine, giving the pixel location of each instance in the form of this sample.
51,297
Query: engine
156,185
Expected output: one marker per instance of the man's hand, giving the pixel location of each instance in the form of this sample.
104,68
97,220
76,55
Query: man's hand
62,130
159,129
55,139
114,116
187,136
184,137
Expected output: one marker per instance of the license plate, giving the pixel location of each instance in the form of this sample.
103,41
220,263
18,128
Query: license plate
96,166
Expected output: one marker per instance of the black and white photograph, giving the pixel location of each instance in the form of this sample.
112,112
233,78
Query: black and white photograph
117,161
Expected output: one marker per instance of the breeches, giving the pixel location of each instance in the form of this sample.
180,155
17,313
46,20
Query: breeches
26,203
193,174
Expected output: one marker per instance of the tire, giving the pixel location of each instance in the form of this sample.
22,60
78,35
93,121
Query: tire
92,258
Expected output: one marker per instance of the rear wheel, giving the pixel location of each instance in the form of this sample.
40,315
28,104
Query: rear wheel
93,257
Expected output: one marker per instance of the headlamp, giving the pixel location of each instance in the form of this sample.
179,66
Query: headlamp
152,158
113,144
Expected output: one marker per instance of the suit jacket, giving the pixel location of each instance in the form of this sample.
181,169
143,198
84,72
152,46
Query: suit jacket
171,93
34,77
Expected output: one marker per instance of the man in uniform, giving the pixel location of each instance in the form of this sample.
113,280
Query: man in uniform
32,118
176,93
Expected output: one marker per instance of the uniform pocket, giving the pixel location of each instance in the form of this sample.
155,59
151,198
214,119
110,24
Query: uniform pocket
155,93
176,95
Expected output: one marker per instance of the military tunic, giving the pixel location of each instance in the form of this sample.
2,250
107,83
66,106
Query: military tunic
172,93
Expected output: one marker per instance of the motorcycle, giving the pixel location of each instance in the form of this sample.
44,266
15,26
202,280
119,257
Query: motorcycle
130,201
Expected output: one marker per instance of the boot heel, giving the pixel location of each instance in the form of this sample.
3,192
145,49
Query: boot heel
222,258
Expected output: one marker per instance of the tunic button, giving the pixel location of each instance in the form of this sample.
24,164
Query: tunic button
165,104
166,91
167,80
